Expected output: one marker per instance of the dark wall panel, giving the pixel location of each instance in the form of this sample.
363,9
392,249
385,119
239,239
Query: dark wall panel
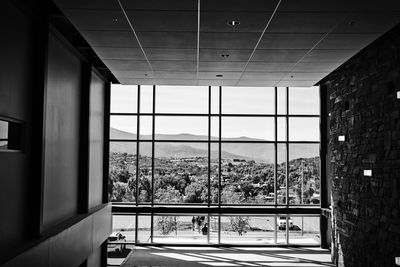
17,66
365,109
62,115
96,133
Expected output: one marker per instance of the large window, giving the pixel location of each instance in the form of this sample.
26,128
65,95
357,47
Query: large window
214,146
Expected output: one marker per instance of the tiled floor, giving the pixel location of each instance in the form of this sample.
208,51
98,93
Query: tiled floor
234,256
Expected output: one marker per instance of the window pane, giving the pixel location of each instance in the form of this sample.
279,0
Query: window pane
146,127
304,174
281,174
3,134
181,173
125,224
123,127
145,192
303,129
214,100
181,128
247,230
281,228
123,98
144,229
122,172
248,100
146,98
304,100
214,128
248,128
182,99
180,229
304,231
281,131
247,173
281,99
214,173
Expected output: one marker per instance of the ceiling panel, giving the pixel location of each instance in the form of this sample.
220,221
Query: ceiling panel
238,5
119,53
218,21
329,55
256,83
118,64
296,83
221,66
339,5
101,20
221,54
269,67
234,40
279,55
362,22
110,38
168,39
289,41
129,4
347,41
290,22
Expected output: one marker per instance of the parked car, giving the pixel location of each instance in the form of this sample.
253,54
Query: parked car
282,223
114,238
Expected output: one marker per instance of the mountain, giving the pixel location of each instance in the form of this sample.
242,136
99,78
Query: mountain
258,151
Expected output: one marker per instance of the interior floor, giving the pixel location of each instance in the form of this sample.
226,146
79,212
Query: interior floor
227,256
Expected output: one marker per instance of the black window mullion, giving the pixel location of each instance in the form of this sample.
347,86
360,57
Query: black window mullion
209,150
137,145
276,148
287,147
153,133
219,147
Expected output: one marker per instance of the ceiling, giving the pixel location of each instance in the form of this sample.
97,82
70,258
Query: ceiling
182,42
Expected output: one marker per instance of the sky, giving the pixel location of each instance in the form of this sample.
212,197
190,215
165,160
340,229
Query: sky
235,100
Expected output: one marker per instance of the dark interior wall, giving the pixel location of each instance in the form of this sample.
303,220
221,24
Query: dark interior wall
364,108
62,121
16,91
96,134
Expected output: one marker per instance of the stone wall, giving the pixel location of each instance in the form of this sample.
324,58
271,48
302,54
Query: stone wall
362,106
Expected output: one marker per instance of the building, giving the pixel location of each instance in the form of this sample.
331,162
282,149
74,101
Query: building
60,57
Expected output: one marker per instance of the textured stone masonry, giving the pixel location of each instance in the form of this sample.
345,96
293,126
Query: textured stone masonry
363,107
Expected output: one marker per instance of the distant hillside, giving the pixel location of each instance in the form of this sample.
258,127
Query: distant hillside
258,152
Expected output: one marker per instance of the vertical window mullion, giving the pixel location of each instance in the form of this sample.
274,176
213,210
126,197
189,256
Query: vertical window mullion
276,148
219,148
137,145
153,131
209,152
287,147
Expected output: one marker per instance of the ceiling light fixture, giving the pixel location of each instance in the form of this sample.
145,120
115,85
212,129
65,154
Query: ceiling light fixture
351,23
219,75
115,19
233,23
225,55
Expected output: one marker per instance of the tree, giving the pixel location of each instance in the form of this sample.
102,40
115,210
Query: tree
167,224
240,224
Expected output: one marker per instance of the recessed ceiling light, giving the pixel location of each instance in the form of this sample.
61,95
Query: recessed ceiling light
219,75
115,19
225,55
351,23
233,23
145,74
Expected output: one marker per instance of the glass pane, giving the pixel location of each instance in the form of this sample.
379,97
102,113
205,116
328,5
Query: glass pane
304,231
146,98
304,100
281,221
248,100
281,174
214,172
182,99
281,99
145,192
247,230
122,172
281,131
214,100
144,229
214,229
304,174
123,127
303,129
123,98
214,128
247,173
181,128
248,128
176,229
146,127
125,224
181,173
3,134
